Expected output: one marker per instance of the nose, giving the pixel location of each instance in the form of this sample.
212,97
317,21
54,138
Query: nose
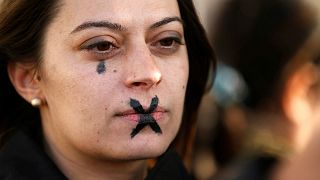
142,69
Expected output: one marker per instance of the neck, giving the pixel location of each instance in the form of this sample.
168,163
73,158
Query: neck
115,170
83,169
102,169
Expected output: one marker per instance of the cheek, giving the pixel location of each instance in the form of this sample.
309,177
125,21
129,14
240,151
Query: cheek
77,101
77,91
177,78
178,73
184,67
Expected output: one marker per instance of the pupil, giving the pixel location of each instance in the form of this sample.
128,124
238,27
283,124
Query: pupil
166,42
103,46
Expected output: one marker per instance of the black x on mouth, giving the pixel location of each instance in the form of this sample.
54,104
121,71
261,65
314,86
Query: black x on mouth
145,116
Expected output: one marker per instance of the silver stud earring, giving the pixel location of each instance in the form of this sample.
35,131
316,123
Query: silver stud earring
36,102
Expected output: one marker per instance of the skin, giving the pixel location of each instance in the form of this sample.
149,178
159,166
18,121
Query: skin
302,106
83,133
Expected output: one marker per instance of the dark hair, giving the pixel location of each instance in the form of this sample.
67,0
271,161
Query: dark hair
201,61
259,38
22,25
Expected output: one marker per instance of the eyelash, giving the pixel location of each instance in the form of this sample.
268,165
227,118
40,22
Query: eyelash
105,54
174,39
174,44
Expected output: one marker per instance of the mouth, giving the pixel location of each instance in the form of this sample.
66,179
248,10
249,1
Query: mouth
132,115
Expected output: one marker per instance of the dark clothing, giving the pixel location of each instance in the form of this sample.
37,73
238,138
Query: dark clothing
23,159
170,167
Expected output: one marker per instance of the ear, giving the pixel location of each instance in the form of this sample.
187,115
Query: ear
295,101
24,79
298,101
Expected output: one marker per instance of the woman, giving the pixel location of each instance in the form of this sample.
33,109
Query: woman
274,46
110,81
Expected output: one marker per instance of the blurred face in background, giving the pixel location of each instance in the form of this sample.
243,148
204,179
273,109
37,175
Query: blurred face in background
301,93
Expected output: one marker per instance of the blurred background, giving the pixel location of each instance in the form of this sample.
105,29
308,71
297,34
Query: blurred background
259,120
215,146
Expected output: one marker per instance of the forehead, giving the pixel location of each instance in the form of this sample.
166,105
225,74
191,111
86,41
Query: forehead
131,12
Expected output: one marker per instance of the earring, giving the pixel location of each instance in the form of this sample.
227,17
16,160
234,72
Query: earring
36,102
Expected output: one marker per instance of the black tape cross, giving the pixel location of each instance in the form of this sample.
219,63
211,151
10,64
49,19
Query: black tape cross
145,116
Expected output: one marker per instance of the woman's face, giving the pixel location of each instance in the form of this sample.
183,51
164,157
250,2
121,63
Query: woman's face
99,54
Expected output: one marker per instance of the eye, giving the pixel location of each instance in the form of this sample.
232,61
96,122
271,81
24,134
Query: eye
167,45
169,42
100,48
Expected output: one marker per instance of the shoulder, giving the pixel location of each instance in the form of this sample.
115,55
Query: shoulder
21,158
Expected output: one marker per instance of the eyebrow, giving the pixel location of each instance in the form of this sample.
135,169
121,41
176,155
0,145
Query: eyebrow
98,24
165,21
119,27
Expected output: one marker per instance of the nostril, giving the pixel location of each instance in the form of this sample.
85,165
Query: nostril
145,79
145,82
136,83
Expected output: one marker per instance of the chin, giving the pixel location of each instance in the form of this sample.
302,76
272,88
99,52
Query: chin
143,148
145,155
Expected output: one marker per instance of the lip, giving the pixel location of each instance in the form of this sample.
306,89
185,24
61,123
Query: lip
132,115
